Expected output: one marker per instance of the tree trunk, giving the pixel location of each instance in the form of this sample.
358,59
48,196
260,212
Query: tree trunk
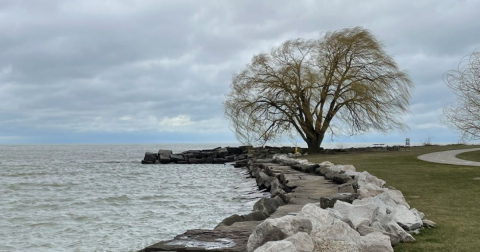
314,144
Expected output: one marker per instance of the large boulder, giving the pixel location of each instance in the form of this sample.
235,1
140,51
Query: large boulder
319,217
365,178
150,158
302,242
376,242
407,219
357,214
177,157
268,205
346,188
329,201
277,246
338,231
277,229
334,246
164,156
234,151
397,197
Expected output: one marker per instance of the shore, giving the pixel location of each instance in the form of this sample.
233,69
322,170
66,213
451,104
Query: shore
232,234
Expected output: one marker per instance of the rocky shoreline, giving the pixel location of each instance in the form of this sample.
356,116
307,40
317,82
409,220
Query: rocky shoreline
312,207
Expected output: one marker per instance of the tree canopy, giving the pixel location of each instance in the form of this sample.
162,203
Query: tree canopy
343,82
464,115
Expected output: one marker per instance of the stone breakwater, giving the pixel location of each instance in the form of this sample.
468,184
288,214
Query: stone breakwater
313,207
214,156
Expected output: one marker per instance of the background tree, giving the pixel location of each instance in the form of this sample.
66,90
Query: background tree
341,81
464,115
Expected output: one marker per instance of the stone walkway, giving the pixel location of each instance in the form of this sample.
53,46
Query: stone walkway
448,157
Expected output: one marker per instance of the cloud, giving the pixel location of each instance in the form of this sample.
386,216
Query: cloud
93,67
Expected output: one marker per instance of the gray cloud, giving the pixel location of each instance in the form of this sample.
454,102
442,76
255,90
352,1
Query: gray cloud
164,66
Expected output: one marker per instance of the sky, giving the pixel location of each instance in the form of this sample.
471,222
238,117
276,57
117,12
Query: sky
155,71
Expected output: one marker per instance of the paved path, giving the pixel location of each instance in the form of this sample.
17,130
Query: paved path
448,157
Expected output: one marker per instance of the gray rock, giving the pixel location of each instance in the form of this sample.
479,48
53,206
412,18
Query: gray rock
219,161
397,196
277,246
329,201
346,188
268,205
231,219
302,242
277,229
334,246
407,219
376,242
150,157
164,156
428,223
255,216
177,157
357,214
364,229
341,178
319,217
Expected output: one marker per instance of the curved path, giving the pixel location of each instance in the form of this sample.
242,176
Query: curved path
448,157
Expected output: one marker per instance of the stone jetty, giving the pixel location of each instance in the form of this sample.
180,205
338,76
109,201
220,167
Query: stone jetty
312,207
218,155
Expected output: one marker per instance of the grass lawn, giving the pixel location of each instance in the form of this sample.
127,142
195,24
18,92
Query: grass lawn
472,156
447,194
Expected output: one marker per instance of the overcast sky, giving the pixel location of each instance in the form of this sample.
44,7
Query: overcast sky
153,71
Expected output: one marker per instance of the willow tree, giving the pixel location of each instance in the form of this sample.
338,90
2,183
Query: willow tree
343,81
464,115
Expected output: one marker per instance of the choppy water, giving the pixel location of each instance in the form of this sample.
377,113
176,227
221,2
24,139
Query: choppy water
100,198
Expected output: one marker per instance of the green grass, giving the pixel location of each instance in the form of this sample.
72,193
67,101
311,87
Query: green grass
447,194
471,156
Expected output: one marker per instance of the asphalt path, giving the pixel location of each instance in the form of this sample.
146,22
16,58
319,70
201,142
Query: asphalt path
448,157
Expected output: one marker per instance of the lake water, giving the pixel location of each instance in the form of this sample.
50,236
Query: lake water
100,198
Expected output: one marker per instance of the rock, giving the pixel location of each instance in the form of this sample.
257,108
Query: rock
219,161
302,242
263,180
346,188
319,217
341,178
329,201
195,161
277,246
397,233
344,168
376,242
177,157
231,219
255,216
357,214
277,229
416,212
334,246
150,157
207,160
204,240
407,219
234,151
164,156
268,205
365,178
368,190
397,196
338,231
330,175
363,229
428,223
